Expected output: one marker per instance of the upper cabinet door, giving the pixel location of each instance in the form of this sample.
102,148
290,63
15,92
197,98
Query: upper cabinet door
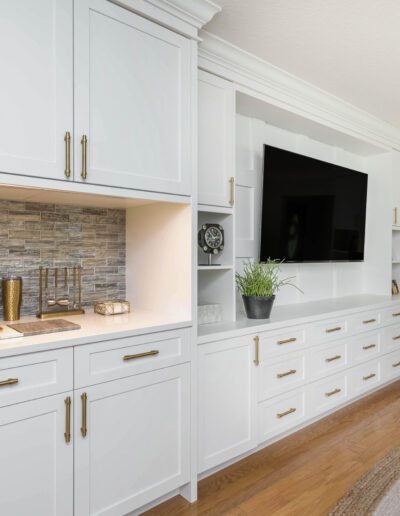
132,100
216,140
36,86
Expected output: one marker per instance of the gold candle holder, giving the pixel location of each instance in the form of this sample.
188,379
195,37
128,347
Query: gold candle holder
12,297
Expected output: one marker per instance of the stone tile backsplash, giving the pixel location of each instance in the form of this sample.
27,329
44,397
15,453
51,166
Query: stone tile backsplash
52,235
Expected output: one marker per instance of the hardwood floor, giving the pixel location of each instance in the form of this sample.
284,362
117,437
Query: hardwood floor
305,473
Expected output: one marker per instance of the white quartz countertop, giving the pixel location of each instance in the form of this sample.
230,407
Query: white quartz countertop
94,328
299,313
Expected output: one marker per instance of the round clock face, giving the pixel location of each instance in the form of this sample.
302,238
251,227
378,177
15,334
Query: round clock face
213,237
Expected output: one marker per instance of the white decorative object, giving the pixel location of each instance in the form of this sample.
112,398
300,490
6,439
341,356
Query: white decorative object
209,313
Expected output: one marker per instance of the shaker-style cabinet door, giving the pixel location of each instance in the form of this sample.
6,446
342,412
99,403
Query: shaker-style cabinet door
132,101
216,138
36,457
36,87
132,441
227,400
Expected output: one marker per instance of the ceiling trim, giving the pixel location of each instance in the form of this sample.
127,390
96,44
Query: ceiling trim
183,16
287,91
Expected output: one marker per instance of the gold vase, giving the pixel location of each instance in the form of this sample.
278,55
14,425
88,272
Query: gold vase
12,296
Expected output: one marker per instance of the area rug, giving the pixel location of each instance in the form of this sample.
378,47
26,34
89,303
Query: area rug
377,493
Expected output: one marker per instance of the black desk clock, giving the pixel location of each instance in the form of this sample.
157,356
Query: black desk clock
211,240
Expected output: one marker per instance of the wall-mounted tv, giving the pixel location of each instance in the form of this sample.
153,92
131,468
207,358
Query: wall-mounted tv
312,211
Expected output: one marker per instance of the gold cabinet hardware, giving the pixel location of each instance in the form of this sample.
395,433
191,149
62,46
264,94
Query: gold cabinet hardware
286,341
288,373
232,191
84,414
397,364
257,358
140,355
397,337
331,359
369,321
369,376
370,346
84,157
283,414
67,433
332,393
396,314
10,381
331,330
67,139
395,216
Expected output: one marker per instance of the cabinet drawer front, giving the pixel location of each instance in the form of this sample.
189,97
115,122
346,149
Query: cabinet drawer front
275,343
365,321
326,394
365,377
35,375
391,338
326,359
110,360
391,366
280,376
392,315
364,347
276,416
330,330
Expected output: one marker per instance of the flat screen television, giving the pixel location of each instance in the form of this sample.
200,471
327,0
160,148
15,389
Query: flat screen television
312,211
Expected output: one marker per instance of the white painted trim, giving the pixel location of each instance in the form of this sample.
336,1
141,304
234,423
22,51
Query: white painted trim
183,16
281,89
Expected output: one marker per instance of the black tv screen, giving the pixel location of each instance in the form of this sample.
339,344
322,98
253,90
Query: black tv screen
312,211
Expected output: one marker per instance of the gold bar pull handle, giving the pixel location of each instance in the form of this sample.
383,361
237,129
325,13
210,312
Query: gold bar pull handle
232,191
288,373
67,139
84,414
331,330
396,364
397,337
369,346
286,341
331,359
10,381
283,414
84,156
396,314
332,393
369,321
257,357
395,216
67,433
369,376
141,355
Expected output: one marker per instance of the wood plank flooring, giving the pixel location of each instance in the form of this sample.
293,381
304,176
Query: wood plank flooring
305,473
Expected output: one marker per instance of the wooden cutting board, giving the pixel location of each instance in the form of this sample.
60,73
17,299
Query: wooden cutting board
41,327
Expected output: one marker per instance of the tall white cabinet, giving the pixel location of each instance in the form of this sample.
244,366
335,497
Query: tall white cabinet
132,100
36,87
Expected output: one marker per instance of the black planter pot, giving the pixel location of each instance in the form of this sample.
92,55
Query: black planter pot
258,307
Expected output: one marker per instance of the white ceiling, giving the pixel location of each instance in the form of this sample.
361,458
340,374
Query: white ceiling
350,48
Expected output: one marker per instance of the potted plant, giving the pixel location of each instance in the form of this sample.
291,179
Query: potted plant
258,285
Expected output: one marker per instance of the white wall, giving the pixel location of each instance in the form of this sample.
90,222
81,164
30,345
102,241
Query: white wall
317,280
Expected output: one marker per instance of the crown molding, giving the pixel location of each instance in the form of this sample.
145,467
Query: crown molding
289,92
183,16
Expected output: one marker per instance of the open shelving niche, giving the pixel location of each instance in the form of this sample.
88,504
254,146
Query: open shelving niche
259,122
158,250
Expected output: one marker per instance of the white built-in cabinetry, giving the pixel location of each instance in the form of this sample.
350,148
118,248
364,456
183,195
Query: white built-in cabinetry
216,140
257,387
92,92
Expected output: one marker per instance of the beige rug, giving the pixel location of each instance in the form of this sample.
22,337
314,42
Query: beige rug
377,493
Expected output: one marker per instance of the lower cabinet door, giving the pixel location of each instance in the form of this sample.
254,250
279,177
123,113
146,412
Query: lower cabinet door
36,473
132,441
227,400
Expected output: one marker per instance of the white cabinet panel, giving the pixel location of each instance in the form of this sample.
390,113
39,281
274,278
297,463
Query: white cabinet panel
216,150
365,347
227,400
137,443
327,359
391,366
36,474
280,375
36,90
132,100
391,338
327,393
365,377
